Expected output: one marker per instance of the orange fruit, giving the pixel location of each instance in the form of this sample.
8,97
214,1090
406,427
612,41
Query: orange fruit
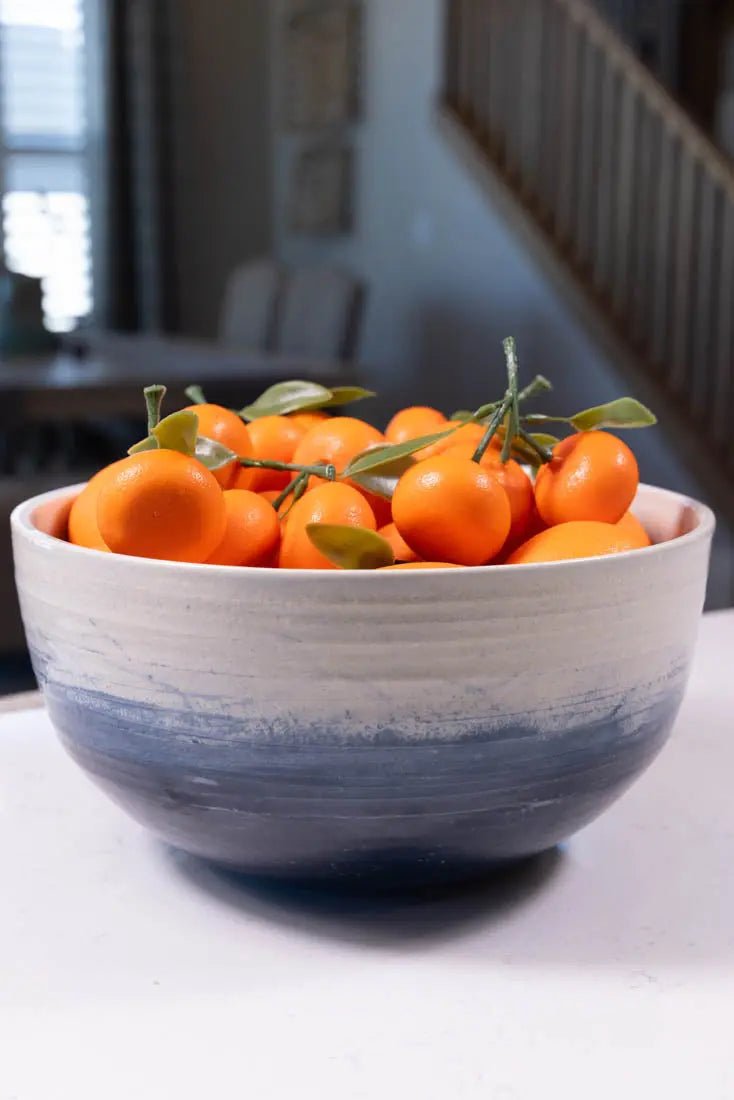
274,438
633,529
161,504
514,481
83,527
271,495
337,440
421,565
242,478
412,422
331,502
227,428
308,420
534,526
252,533
400,548
449,508
591,476
381,508
469,434
576,539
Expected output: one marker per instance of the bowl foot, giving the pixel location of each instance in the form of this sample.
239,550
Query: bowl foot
406,872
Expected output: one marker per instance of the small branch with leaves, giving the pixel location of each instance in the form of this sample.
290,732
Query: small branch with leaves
379,469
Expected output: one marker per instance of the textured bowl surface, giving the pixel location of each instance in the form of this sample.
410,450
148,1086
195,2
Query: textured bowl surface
400,725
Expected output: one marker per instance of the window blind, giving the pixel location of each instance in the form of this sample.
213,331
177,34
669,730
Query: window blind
43,153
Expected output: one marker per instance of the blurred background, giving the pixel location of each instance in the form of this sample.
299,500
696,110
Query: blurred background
241,191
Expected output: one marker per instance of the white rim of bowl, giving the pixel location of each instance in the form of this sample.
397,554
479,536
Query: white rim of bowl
20,522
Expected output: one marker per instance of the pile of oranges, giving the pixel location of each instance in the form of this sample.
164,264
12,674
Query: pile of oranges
286,483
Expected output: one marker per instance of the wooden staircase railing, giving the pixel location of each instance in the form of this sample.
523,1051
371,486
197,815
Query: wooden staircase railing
634,199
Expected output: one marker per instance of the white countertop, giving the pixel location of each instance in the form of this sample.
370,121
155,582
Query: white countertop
606,970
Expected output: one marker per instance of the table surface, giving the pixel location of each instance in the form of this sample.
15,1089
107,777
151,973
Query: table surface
115,359
605,969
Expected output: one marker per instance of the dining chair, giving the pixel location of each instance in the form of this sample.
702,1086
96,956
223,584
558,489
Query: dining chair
248,314
319,313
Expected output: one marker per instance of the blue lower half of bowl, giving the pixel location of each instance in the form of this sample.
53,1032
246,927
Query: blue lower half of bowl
389,809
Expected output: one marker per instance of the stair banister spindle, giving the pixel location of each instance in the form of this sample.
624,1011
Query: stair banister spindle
624,197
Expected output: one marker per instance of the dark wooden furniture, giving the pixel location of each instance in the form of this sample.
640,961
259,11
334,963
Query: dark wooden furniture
107,379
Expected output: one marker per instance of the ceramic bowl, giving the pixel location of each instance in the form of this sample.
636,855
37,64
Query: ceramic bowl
337,724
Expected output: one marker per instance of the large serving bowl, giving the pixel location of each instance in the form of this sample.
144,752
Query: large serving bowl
403,724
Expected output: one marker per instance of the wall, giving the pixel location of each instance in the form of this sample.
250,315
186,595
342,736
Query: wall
446,278
222,161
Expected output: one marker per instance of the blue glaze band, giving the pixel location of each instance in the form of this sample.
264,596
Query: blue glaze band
330,808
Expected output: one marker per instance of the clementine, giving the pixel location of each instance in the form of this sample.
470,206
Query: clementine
421,565
83,527
399,546
161,504
449,508
225,427
330,502
591,476
514,481
274,438
413,422
252,533
576,539
336,440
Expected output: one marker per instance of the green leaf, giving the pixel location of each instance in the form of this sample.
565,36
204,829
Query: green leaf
464,416
625,412
296,396
177,432
212,454
344,395
195,395
350,547
287,397
378,457
544,439
150,443
383,480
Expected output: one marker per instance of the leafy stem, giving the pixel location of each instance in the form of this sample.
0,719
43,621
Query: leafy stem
299,484
506,408
497,417
297,487
484,411
513,413
327,470
543,453
153,400
541,418
539,384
